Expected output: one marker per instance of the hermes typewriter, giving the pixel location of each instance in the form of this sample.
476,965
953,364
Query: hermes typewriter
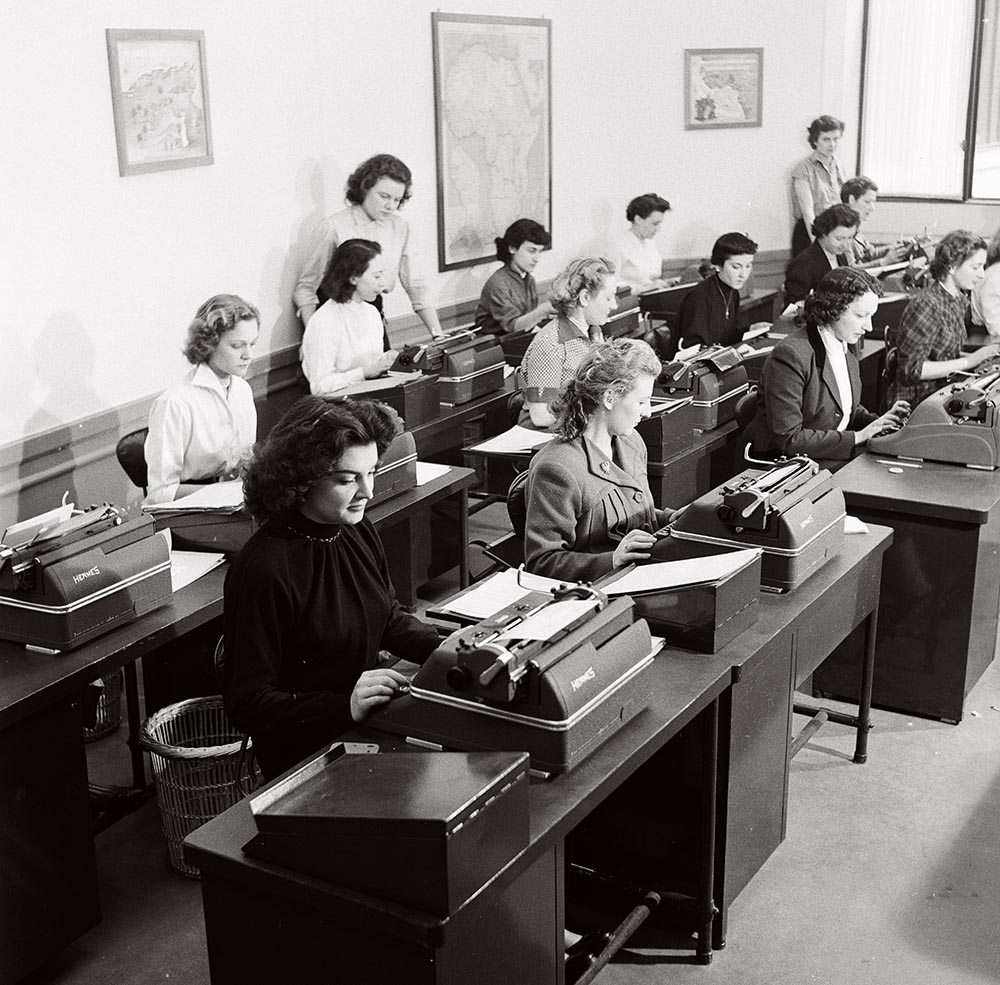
791,510
714,378
554,674
958,424
467,365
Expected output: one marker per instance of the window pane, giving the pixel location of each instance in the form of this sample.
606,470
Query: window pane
986,163
916,95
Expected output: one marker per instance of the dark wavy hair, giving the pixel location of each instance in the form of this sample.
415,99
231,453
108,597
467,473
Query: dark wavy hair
579,275
643,205
823,124
953,250
367,174
836,215
856,187
610,367
836,292
306,444
993,250
732,245
350,259
517,232
218,315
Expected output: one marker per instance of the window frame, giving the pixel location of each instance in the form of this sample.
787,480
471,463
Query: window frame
972,115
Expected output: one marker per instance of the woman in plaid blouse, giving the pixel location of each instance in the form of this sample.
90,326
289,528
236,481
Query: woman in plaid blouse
927,347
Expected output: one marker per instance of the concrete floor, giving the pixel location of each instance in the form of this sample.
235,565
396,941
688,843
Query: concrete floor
890,872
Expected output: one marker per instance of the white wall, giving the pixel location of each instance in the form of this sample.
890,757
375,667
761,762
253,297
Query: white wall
105,272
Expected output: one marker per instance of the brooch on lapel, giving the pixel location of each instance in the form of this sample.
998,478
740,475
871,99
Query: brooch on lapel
606,468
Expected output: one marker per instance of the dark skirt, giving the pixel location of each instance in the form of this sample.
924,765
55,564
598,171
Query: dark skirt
800,237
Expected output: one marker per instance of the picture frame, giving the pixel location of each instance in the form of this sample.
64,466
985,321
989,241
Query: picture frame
723,87
493,130
159,96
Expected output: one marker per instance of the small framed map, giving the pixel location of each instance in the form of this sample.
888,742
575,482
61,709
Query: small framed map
159,93
493,123
723,87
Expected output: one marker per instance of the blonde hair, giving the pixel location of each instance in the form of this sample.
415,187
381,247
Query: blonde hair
581,274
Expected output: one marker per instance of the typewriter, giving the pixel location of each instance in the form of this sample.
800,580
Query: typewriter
791,510
713,377
957,424
80,577
467,365
554,674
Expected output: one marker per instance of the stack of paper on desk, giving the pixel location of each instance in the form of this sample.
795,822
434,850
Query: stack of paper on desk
662,575
216,497
497,592
514,440
189,566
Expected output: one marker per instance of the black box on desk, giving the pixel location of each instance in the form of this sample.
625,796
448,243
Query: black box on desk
397,469
417,400
679,481
700,617
514,346
207,530
670,430
426,829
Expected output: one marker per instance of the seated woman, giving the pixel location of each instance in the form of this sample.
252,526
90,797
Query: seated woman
640,264
834,230
810,389
344,339
308,601
509,299
986,294
709,313
590,509
583,296
927,346
861,194
201,428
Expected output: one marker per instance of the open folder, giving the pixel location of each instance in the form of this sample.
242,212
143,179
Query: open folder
662,575
215,497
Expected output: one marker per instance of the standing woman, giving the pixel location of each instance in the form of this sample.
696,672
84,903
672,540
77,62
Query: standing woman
927,347
201,428
816,179
343,343
641,265
375,191
810,389
308,601
583,296
986,294
590,509
509,300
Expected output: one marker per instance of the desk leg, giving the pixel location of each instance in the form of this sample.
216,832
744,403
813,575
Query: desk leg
704,904
463,538
865,695
132,709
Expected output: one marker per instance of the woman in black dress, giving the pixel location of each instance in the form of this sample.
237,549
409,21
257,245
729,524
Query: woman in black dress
308,601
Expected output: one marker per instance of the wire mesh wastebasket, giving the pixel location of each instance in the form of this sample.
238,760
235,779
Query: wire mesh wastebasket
196,760
109,709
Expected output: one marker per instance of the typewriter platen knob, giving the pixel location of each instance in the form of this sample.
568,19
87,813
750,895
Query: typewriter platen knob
726,514
458,677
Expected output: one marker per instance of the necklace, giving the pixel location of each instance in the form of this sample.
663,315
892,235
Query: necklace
323,540
727,297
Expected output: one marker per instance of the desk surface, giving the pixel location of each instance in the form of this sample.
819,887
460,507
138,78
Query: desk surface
931,489
445,431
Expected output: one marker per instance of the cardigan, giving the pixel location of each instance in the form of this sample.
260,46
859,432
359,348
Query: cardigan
806,270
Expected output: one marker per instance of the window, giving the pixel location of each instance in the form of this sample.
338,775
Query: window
930,104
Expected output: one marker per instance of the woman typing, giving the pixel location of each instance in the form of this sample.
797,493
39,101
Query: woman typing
308,601
590,509
344,339
201,428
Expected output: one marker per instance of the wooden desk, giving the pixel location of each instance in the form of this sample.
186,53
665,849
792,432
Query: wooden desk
667,747
941,592
444,433
761,305
888,315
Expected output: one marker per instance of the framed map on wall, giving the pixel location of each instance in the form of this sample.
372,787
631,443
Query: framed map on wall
493,122
723,87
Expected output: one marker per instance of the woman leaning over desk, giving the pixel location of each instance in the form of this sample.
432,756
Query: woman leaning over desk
308,601
590,509
201,428
927,346
344,339
810,389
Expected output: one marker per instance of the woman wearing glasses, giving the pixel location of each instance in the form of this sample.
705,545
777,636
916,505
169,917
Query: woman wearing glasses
308,601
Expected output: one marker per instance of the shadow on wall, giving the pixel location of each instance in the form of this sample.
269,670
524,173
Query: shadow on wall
605,231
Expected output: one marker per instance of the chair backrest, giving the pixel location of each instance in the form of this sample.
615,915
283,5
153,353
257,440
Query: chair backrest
662,342
517,503
746,407
514,404
131,454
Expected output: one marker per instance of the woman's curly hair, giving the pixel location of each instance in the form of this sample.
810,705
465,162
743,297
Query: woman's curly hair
581,274
836,292
834,216
306,444
351,259
823,124
953,250
218,315
368,174
610,367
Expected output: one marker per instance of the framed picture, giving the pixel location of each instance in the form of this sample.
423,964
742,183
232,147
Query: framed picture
722,87
493,124
159,92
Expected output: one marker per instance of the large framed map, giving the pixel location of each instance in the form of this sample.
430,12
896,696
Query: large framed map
493,121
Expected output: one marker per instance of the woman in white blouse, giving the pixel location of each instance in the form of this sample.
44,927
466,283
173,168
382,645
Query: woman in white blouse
343,342
203,427
986,294
641,265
